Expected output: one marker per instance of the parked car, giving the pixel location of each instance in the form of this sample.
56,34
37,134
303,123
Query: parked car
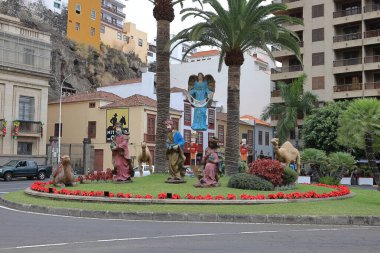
146,171
24,168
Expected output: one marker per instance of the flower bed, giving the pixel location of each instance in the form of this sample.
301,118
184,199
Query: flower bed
337,191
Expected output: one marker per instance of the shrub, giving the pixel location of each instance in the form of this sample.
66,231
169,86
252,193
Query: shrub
268,170
249,182
289,177
329,180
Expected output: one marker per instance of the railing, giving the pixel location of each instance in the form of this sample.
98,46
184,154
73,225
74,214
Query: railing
347,37
348,87
113,10
372,59
274,48
372,7
348,62
150,138
275,93
370,86
350,12
289,1
30,127
292,68
372,33
108,21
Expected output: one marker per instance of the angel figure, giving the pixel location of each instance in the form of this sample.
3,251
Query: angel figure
201,92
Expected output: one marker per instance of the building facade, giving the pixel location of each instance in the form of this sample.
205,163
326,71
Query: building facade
24,83
340,49
54,5
95,114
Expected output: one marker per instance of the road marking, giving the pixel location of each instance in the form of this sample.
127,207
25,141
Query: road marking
175,236
3,192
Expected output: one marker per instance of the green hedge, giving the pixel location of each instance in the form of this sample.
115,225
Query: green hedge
289,177
249,182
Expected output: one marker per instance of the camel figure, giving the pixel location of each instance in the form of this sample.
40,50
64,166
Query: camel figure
144,157
287,153
64,174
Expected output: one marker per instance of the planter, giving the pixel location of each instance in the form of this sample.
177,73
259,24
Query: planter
365,181
346,181
303,180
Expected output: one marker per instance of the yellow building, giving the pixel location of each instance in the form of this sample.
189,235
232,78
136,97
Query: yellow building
91,115
83,22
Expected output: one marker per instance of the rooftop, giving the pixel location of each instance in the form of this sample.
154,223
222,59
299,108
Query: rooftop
205,53
177,90
256,120
81,97
223,117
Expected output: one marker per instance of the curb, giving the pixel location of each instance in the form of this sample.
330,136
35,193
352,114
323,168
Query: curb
28,191
198,217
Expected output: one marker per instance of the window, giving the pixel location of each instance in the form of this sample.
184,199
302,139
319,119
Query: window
318,34
318,59
260,137
221,135
77,9
56,129
292,134
210,135
91,129
211,118
93,14
28,58
126,38
266,138
187,136
24,148
187,116
249,138
91,105
318,11
140,42
26,108
57,5
102,29
77,26
318,83
151,122
200,138
119,36
92,32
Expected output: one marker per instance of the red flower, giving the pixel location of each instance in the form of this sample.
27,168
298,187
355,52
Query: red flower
231,196
148,196
138,196
176,196
162,195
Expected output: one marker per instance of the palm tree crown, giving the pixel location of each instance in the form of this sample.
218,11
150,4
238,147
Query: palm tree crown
245,24
295,102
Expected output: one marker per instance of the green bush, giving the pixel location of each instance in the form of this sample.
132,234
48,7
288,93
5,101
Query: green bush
329,180
289,177
249,182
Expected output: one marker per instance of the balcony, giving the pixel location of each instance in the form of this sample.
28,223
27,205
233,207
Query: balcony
371,11
279,52
150,138
372,62
347,65
371,86
371,37
275,93
347,40
29,128
113,10
109,22
288,72
347,37
348,87
347,16
293,3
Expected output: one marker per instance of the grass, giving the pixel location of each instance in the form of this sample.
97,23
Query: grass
366,202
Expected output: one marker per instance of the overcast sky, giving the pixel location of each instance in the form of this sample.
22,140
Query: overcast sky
140,12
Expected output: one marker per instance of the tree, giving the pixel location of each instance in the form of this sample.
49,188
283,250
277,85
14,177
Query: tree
359,126
11,7
296,102
163,12
318,162
320,128
245,24
340,164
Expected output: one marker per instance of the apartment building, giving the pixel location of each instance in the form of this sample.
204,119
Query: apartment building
340,47
24,83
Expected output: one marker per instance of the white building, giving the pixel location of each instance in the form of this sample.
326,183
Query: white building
255,82
146,86
54,5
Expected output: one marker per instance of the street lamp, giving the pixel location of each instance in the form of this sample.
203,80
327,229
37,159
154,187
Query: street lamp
60,116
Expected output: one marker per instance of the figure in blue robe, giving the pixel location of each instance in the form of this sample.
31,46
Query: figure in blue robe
200,92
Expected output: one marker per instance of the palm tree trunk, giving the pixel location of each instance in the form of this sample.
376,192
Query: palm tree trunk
371,158
233,118
163,94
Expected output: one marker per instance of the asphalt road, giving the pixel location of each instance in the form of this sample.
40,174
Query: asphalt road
29,232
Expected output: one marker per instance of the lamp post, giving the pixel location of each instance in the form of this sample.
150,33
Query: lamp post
60,117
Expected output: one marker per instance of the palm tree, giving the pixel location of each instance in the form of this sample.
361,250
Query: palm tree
296,102
360,128
163,12
245,24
